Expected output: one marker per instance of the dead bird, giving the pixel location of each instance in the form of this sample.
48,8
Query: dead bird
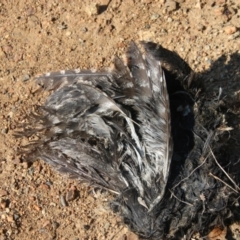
146,131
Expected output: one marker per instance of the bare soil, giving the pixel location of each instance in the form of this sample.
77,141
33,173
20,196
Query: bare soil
48,35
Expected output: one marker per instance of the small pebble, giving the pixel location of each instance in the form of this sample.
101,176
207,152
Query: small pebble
4,130
71,195
84,30
92,9
55,225
63,201
25,78
207,47
155,16
68,33
37,208
46,223
230,30
16,217
170,5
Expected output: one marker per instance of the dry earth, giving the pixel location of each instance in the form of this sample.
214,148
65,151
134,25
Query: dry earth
46,35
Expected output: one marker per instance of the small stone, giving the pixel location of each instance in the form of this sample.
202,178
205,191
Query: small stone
63,201
230,30
84,30
198,4
92,9
55,225
155,16
207,47
25,78
68,33
200,27
71,195
16,216
46,223
37,208
4,130
170,5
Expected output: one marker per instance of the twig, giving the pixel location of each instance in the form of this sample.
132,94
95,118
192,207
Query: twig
114,235
191,172
180,199
210,174
236,186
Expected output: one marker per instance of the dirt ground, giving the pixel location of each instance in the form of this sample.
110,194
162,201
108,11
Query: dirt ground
48,35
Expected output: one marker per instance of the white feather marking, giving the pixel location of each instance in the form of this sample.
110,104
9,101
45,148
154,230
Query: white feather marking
78,70
142,202
93,70
57,129
143,83
141,66
129,85
137,182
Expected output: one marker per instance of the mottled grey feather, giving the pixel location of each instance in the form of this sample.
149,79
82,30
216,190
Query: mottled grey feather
87,110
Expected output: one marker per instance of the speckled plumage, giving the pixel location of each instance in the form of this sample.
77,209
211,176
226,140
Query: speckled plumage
113,129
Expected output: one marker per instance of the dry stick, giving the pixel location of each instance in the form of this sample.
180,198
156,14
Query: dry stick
210,174
236,186
192,172
180,199
114,235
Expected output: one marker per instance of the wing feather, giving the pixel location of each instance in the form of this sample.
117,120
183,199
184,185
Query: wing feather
109,128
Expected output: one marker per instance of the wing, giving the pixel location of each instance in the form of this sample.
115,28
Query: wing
108,128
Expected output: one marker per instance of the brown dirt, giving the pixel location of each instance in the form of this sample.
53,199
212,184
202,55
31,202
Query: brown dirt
47,35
